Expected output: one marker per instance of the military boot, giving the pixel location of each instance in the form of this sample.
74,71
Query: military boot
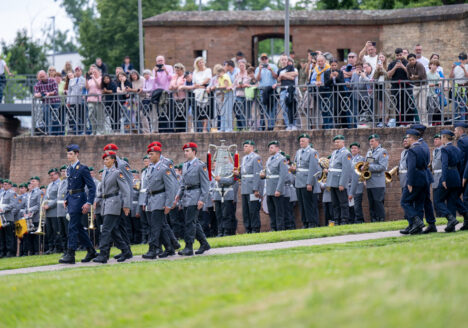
175,243
407,230
102,257
117,256
68,258
451,224
126,254
91,254
417,227
430,228
167,252
465,222
151,254
187,251
204,246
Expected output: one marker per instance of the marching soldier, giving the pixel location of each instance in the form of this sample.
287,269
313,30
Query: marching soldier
377,159
436,174
98,209
250,169
417,182
428,208
339,174
22,192
115,199
462,144
176,214
124,168
141,201
402,173
223,198
7,209
161,191
78,204
357,185
61,211
275,175
135,236
193,192
50,206
448,192
307,170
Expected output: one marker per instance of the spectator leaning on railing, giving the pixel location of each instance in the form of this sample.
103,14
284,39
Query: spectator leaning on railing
231,71
350,66
178,95
417,73
109,89
334,81
162,78
45,90
240,83
318,80
401,90
435,96
201,78
380,76
458,93
76,90
266,76
61,93
287,80
95,109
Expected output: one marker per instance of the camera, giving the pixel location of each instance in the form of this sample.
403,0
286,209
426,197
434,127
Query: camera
349,68
457,63
374,43
159,66
265,65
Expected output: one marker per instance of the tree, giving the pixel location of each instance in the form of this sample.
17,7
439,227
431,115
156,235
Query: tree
25,56
62,43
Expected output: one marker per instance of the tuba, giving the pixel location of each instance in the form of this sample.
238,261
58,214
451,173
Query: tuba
324,164
358,169
389,174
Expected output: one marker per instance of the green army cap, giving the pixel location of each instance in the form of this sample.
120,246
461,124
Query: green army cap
126,160
373,136
1,180
42,187
7,181
287,157
274,142
15,185
283,153
304,135
52,170
249,142
145,157
355,144
339,137
329,156
63,167
101,170
437,135
34,178
91,168
134,171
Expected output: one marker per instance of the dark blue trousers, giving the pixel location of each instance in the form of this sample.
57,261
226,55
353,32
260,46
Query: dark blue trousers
413,202
77,233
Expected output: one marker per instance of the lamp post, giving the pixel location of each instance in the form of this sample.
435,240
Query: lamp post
53,40
286,28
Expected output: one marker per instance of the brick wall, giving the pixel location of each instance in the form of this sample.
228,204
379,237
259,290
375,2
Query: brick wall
36,155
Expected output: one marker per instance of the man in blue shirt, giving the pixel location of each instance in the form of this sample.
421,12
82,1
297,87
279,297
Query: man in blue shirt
266,75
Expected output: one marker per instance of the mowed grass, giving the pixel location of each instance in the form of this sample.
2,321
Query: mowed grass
415,281
237,240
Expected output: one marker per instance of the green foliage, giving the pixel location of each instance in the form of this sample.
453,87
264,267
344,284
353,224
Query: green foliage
25,56
16,89
62,42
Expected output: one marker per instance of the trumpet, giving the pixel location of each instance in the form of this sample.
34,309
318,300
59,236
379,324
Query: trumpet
40,229
324,164
362,169
91,218
389,174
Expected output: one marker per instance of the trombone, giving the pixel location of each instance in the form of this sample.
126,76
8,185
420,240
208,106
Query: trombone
91,225
40,231
362,169
389,174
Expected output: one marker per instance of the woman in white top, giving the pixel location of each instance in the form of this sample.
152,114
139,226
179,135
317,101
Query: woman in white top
201,78
3,69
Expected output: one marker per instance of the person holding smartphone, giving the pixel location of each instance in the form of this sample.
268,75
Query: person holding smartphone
368,54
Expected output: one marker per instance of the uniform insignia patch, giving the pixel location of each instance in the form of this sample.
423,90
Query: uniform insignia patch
349,157
259,160
20,200
204,168
127,168
384,154
121,176
170,166
77,167
316,155
168,172
14,196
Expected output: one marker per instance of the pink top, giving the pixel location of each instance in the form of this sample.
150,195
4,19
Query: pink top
148,86
163,79
94,89
176,82
241,78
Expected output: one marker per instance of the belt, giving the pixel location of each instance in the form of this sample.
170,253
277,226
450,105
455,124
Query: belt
335,170
110,195
135,202
192,187
223,189
247,175
437,171
299,169
75,191
143,190
272,176
403,171
60,202
155,192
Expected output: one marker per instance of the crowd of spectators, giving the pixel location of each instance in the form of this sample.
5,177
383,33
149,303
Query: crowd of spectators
237,96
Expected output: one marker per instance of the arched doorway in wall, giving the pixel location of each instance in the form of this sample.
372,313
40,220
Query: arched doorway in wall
271,43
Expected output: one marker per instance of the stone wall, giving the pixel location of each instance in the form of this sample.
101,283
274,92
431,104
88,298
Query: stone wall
36,155
9,127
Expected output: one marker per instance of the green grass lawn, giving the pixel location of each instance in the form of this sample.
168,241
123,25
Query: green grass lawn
237,240
417,281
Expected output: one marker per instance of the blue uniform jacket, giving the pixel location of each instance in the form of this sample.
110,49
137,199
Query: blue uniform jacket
78,178
427,153
417,163
462,144
452,160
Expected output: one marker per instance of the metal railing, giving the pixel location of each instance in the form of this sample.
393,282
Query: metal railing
366,104
18,89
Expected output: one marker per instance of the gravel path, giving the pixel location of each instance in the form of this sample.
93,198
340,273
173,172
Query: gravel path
226,250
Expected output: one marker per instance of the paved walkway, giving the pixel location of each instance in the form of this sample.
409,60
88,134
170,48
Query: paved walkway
227,250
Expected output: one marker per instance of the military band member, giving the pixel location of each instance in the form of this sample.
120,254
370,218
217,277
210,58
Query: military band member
50,206
7,210
402,174
251,185
339,174
22,192
377,159
78,204
193,191
276,173
357,185
307,170
31,211
125,169
417,182
289,193
448,200
141,201
61,211
115,199
436,166
223,198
